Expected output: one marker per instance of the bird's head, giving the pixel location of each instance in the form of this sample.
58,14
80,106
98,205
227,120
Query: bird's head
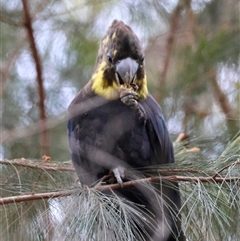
120,62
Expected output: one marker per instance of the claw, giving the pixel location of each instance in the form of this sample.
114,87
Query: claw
130,98
119,174
130,93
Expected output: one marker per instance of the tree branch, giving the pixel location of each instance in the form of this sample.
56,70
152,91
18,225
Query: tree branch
225,167
38,165
220,96
69,167
173,178
170,41
44,141
32,197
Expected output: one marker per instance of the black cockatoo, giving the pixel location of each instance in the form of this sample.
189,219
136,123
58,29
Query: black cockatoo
116,126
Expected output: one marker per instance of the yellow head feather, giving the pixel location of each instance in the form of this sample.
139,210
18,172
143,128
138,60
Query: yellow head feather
99,86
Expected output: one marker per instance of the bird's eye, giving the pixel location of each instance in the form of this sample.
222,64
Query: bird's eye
141,59
110,60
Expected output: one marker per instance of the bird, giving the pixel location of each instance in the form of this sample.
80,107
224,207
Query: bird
115,126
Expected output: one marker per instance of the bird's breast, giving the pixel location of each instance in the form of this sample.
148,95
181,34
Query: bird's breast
116,129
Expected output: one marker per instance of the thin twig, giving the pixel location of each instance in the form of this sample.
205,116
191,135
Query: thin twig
173,178
39,165
34,196
9,136
41,125
224,168
69,168
44,143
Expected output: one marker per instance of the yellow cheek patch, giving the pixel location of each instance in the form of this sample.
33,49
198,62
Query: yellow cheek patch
143,90
99,86
114,52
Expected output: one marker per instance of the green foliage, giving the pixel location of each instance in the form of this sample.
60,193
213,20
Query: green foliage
210,207
20,221
67,37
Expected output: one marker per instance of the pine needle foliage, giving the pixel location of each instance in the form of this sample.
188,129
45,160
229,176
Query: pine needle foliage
210,200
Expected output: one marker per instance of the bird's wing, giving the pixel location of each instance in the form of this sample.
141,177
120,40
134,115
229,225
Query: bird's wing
157,131
163,148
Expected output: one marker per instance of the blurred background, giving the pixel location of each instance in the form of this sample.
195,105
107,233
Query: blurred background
48,50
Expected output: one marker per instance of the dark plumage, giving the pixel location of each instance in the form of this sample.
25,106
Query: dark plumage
117,126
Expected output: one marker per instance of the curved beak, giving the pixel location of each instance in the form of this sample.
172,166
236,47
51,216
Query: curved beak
126,70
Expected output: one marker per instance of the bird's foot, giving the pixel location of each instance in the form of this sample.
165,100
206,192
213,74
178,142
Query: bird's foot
129,97
119,174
